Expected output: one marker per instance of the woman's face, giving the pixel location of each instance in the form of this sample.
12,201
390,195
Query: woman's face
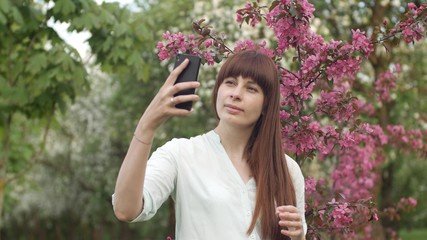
239,102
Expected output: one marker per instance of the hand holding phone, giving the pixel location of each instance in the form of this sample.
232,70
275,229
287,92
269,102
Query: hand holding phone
190,73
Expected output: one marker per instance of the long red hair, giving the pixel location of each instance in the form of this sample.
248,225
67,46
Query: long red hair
264,151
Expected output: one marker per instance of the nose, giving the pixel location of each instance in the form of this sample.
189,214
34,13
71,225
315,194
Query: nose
236,94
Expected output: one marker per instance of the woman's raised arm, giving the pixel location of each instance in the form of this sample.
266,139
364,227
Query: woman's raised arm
128,196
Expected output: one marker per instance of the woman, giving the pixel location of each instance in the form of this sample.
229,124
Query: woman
234,182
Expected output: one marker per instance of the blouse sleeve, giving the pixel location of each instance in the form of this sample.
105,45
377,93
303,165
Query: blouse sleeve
299,185
160,179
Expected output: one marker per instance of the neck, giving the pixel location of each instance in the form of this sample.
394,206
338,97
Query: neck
234,140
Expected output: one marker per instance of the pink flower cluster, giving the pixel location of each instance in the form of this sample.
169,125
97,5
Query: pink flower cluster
250,45
300,137
354,176
409,201
361,43
320,114
290,21
175,43
341,215
413,139
366,108
180,43
310,185
249,14
386,82
413,27
355,171
341,106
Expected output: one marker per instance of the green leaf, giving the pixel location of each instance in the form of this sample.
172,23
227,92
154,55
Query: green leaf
16,96
95,21
127,42
5,6
64,6
134,59
3,19
106,46
273,5
80,23
17,17
106,17
120,29
37,63
145,73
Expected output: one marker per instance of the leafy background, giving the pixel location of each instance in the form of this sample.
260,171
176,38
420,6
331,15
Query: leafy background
66,121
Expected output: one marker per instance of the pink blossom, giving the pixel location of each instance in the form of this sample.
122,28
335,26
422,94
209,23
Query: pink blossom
174,43
366,107
322,214
290,30
310,185
341,215
412,201
412,6
343,68
384,84
249,13
413,33
375,216
405,139
284,115
208,43
347,140
250,45
209,57
362,43
306,118
310,64
338,105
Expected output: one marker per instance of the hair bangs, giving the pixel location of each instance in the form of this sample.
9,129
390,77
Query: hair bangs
253,65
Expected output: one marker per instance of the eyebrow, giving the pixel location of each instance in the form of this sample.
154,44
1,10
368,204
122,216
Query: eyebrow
252,82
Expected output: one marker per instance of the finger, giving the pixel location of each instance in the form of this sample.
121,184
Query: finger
185,98
287,208
180,112
184,86
290,224
290,216
175,73
291,233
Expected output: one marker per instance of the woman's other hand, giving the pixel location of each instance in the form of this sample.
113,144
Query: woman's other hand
290,221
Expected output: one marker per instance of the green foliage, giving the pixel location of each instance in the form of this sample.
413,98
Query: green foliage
40,73
67,193
38,70
414,234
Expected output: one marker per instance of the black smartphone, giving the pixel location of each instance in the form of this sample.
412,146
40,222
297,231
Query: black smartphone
190,73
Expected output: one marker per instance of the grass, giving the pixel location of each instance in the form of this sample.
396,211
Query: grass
415,234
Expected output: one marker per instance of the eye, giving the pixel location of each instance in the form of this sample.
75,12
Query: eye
253,88
229,81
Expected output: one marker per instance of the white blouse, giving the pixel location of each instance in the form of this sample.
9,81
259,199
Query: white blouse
211,199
